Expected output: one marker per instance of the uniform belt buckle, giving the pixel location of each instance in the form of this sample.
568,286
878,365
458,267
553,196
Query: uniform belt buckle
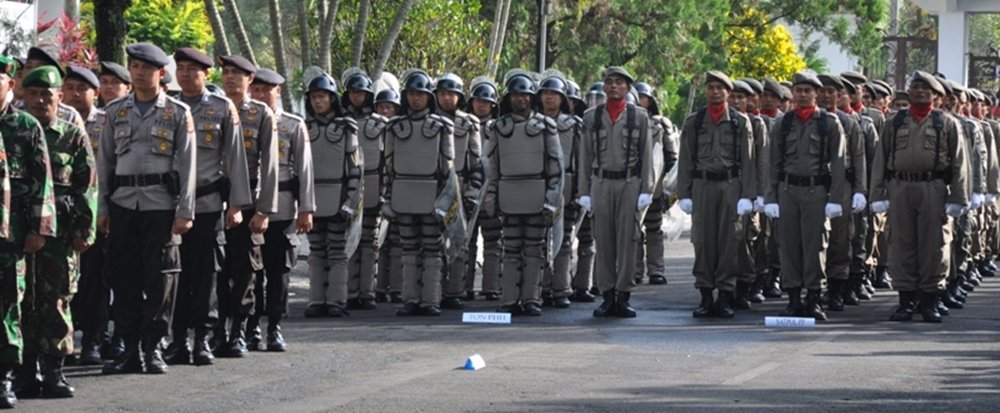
140,180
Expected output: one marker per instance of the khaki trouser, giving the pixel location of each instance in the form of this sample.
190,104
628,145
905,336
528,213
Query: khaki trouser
838,253
751,235
717,233
616,229
804,236
649,252
523,258
921,235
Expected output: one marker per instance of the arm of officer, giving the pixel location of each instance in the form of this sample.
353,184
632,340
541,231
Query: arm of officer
993,167
585,155
474,164
858,159
877,191
42,222
106,161
185,165
553,164
489,205
748,166
762,155
235,160
836,147
685,158
84,187
267,199
669,145
959,187
353,166
776,158
304,170
647,174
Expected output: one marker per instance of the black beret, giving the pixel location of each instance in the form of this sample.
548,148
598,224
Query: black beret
618,71
116,70
849,86
786,93
268,77
886,87
742,87
166,79
83,74
754,84
854,77
829,80
772,86
239,62
878,89
149,53
901,94
871,88
47,59
193,55
806,78
932,82
786,83
719,77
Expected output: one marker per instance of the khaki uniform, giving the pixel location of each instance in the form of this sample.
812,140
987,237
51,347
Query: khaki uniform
807,172
753,257
362,267
469,168
524,180
715,170
842,228
649,253
615,167
966,244
918,168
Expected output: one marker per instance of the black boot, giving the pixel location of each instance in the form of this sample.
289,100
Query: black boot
129,361
950,302
794,308
178,351
582,296
152,356
220,336
608,307
867,281
882,278
236,347
773,287
114,348
929,307
201,355
723,309
955,291
409,309
905,310
624,310
705,306
851,287
90,350
741,296
756,295
657,280
811,307
275,341
381,297
54,385
836,300
7,397
26,383
858,286
255,340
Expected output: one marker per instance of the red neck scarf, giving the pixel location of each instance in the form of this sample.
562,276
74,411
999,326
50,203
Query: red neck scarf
885,111
803,114
756,112
858,107
615,108
715,112
771,113
919,112
847,110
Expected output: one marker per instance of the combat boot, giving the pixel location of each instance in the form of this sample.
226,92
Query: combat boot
851,287
26,384
705,307
115,348
740,296
811,307
220,336
255,341
836,296
129,361
396,297
622,307
756,295
531,310
866,281
7,397
773,288
317,310
657,280
950,302
54,384
560,302
236,347
430,311
201,355
985,270
955,291
152,356
905,310
882,278
858,286
381,297
794,308
929,307
275,341
942,309
973,277
582,296
90,350
409,309
452,303
178,351
608,308
723,309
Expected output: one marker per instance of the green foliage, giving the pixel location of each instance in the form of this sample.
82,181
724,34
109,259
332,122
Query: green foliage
758,48
169,24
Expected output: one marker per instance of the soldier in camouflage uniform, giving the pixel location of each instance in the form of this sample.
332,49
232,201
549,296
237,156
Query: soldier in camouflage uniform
53,271
27,216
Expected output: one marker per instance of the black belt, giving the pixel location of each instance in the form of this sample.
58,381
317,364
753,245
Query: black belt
850,175
797,180
141,180
733,172
918,176
218,186
606,174
290,185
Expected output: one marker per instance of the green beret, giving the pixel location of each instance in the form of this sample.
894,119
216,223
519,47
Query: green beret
8,65
42,76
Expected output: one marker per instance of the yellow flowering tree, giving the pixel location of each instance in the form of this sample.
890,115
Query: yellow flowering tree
758,48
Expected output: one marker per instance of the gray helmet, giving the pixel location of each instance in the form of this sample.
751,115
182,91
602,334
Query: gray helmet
483,89
595,95
644,89
573,93
356,79
323,83
517,83
452,83
388,95
416,80
632,96
555,84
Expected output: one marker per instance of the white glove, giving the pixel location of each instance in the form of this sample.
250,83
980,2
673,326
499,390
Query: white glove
858,203
758,204
953,210
645,200
977,200
991,198
584,202
686,205
879,207
834,210
771,210
440,213
743,207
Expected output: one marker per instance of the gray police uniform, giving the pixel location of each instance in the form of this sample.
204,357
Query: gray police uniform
91,304
363,265
557,281
491,229
649,253
469,168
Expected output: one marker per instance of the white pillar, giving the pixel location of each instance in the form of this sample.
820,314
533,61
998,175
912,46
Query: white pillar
953,40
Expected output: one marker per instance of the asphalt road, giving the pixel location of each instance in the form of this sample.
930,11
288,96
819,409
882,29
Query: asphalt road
567,361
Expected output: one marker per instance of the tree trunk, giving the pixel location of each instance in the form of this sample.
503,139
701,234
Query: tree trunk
358,44
109,20
241,34
390,38
278,41
494,31
304,33
218,29
325,34
501,36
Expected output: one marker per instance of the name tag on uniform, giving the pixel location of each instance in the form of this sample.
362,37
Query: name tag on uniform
486,318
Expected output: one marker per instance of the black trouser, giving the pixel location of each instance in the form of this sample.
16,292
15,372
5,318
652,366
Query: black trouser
91,306
280,256
144,264
243,261
202,255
